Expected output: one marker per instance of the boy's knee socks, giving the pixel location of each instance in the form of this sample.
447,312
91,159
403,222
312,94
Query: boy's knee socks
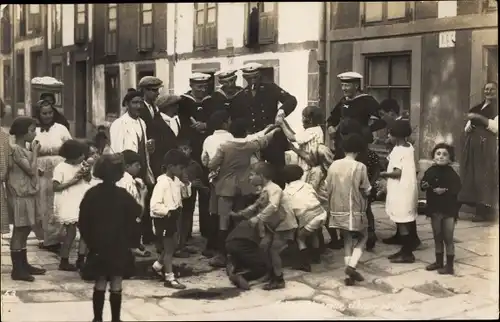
98,304
115,300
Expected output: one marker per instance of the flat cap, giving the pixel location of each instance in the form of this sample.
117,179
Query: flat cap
199,78
150,82
225,75
349,76
251,69
166,100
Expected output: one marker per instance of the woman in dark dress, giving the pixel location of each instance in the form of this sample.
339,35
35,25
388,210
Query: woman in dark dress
479,162
107,224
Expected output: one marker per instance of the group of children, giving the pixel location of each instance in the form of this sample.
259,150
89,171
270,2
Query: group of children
325,194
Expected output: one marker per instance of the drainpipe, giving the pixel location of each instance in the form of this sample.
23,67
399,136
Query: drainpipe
323,55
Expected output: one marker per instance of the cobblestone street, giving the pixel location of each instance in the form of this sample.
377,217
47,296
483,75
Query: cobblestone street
391,291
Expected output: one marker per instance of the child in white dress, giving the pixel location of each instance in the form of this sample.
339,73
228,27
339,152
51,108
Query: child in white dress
71,182
402,188
348,190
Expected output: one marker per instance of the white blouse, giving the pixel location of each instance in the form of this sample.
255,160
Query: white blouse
53,139
167,196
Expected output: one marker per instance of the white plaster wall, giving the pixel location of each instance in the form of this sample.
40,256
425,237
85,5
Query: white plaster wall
447,9
162,72
298,21
98,96
90,17
68,24
127,79
231,23
185,27
171,7
49,25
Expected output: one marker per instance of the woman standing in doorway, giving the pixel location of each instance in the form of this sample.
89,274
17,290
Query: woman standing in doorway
51,135
479,162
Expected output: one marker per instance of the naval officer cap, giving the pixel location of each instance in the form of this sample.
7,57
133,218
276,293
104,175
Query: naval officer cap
226,75
199,78
251,69
349,77
150,82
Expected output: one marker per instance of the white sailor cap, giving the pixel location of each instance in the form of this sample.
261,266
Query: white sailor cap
349,77
226,75
199,78
251,69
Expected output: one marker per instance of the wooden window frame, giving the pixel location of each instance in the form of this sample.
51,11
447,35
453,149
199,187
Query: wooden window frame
81,28
112,101
487,6
59,94
389,87
271,16
34,19
409,14
20,19
146,30
208,30
111,37
56,32
7,82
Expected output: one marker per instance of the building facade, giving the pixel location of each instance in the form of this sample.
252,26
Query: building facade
172,40
433,57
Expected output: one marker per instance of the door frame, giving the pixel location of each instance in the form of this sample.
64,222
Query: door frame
81,128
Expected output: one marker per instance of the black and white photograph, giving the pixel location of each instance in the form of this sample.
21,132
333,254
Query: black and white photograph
241,161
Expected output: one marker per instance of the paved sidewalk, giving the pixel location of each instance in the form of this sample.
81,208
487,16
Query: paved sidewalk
391,291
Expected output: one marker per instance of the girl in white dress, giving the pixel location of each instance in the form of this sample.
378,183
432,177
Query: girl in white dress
71,182
402,189
51,136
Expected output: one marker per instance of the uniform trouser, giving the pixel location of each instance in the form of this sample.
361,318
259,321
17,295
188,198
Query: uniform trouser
248,256
186,219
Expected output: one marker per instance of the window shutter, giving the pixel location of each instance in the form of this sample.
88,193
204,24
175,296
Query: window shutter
111,43
146,38
6,35
199,36
211,35
267,28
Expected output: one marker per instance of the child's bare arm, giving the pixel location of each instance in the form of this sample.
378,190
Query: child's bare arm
394,174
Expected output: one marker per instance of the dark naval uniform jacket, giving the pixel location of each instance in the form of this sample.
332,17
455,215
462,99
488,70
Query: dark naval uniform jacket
200,110
261,111
220,99
361,108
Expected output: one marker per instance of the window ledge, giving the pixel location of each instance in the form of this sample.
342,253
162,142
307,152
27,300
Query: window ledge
386,22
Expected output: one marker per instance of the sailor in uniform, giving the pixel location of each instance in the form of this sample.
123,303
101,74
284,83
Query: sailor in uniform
357,105
194,111
223,97
258,102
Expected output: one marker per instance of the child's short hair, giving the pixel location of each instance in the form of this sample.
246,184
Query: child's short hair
292,172
21,125
400,129
350,126
218,119
175,157
353,143
130,157
109,168
449,148
73,149
239,128
315,114
264,169
390,105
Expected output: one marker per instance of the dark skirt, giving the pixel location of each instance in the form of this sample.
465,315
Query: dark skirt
479,169
97,265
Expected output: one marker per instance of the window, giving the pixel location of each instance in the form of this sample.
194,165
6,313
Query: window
20,78
57,73
21,19
111,29
389,77
387,11
6,29
205,29
491,64
81,27
143,73
7,88
265,14
490,5
36,61
34,18
112,94
146,27
56,25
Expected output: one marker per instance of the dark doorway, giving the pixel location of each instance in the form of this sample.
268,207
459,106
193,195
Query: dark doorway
81,99
492,64
143,71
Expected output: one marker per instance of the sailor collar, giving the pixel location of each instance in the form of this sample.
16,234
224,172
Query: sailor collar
191,97
347,100
226,95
